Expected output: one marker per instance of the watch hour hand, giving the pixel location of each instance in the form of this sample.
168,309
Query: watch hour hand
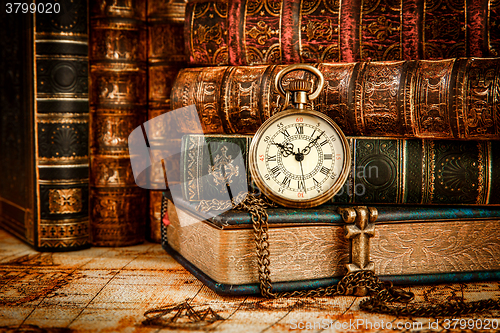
286,150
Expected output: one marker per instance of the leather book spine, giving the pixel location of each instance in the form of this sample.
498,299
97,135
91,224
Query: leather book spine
47,189
245,32
118,72
61,128
206,32
434,172
166,56
493,31
452,98
383,170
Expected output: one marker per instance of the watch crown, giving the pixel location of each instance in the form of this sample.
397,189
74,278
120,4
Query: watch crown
300,85
300,89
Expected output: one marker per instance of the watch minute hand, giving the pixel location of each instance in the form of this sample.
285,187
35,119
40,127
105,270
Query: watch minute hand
307,149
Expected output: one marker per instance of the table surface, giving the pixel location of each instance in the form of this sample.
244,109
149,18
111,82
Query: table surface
110,289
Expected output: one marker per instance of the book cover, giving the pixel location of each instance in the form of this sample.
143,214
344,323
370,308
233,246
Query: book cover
118,71
438,99
245,32
308,248
44,126
383,170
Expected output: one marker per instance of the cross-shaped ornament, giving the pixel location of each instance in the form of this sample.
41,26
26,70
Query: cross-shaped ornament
359,229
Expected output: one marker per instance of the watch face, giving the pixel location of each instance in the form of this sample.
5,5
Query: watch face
299,158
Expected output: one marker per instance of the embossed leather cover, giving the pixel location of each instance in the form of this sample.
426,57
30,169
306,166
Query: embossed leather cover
308,247
452,98
383,170
118,71
241,32
44,126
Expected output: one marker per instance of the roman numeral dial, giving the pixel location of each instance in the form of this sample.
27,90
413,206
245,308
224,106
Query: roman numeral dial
298,159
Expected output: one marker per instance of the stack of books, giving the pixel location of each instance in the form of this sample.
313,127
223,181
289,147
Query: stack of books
418,104
77,77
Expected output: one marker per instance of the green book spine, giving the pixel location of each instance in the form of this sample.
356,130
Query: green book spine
383,170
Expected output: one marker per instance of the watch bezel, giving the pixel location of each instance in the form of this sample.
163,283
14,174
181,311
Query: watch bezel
306,202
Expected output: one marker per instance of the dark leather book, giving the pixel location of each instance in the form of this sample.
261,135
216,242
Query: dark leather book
383,171
308,248
166,56
44,125
493,35
438,99
118,101
243,32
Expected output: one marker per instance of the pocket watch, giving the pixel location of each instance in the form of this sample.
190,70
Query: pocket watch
299,157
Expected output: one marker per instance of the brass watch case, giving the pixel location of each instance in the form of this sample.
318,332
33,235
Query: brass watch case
299,203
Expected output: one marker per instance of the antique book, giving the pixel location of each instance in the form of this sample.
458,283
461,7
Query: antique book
383,170
308,248
452,98
241,32
165,20
118,104
44,125
493,35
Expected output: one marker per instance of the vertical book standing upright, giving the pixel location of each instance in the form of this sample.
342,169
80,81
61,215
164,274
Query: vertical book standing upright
165,59
118,105
44,126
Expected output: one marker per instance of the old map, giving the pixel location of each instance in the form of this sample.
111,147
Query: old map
142,289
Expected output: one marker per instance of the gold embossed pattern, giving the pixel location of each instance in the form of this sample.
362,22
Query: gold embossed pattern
439,247
65,201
